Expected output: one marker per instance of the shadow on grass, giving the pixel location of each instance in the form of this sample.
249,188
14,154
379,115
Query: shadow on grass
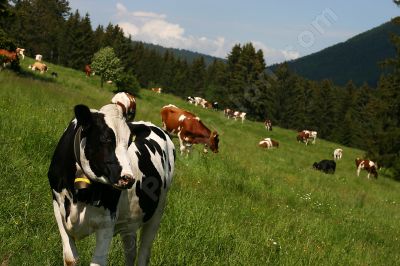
30,74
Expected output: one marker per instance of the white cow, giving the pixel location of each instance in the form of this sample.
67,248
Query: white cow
337,154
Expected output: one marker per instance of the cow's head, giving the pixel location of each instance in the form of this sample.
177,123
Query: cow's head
214,140
358,161
316,166
103,145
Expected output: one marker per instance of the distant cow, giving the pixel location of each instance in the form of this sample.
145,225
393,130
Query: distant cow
215,105
268,143
326,166
337,154
88,70
307,135
127,102
238,114
7,57
20,52
39,67
312,135
38,57
367,165
189,129
228,113
156,90
54,74
190,100
268,125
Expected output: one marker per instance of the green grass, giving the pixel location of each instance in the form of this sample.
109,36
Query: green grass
242,206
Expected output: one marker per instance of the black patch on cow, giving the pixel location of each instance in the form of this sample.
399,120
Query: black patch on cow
159,132
67,207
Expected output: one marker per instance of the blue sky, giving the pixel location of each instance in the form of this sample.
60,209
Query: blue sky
284,30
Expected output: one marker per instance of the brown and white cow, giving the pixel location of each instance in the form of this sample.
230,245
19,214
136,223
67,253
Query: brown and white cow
39,67
268,125
238,114
228,113
307,135
268,143
128,104
367,165
7,56
20,52
189,129
156,90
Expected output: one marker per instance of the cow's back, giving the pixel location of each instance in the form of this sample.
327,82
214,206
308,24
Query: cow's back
172,117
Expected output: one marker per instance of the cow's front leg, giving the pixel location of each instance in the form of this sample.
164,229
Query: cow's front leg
103,241
70,253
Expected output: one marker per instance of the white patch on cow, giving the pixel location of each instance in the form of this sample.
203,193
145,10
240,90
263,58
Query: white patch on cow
371,163
181,118
170,105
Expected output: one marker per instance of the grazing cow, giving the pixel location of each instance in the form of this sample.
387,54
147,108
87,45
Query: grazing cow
88,70
54,74
368,165
229,113
190,100
189,129
38,57
110,177
268,125
39,67
326,166
199,101
337,154
238,114
312,135
7,57
156,90
268,143
20,52
128,104
303,137
215,105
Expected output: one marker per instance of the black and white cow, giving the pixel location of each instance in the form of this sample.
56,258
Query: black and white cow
326,166
125,182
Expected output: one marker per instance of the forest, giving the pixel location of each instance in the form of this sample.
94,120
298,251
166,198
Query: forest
357,116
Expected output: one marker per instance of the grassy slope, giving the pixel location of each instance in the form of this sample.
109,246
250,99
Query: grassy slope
243,206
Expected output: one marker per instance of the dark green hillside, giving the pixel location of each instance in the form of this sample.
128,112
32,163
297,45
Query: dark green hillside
183,54
356,59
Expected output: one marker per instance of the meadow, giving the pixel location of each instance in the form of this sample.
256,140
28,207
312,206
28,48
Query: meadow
242,206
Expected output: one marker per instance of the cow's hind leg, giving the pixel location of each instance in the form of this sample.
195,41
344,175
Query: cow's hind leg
148,234
129,241
70,253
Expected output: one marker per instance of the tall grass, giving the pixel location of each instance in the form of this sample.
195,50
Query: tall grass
242,206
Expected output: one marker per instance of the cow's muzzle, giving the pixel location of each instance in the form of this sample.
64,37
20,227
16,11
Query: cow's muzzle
125,182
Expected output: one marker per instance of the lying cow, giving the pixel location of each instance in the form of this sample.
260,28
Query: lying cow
368,166
189,129
268,143
268,125
337,154
326,166
156,90
110,177
39,67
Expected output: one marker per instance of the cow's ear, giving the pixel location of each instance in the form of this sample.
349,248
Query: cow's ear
83,115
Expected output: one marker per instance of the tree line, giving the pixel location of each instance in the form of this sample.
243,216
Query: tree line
356,116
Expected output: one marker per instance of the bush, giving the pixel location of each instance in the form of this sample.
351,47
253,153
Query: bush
128,83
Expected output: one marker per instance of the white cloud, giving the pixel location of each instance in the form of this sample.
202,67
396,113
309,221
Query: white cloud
155,28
